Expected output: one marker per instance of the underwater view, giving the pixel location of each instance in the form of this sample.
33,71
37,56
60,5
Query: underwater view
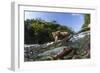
56,36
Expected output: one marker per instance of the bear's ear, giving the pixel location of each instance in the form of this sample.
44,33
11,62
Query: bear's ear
53,33
57,32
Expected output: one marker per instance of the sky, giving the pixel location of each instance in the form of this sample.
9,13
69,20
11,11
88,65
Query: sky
71,20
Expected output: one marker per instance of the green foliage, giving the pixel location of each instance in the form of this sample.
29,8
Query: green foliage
86,20
38,31
86,23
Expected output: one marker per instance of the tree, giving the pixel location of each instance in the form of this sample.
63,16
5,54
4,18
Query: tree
86,20
38,31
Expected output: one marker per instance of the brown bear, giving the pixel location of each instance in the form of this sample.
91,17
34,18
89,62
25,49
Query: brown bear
58,35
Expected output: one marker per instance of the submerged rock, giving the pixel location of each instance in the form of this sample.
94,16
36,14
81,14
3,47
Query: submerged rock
52,52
